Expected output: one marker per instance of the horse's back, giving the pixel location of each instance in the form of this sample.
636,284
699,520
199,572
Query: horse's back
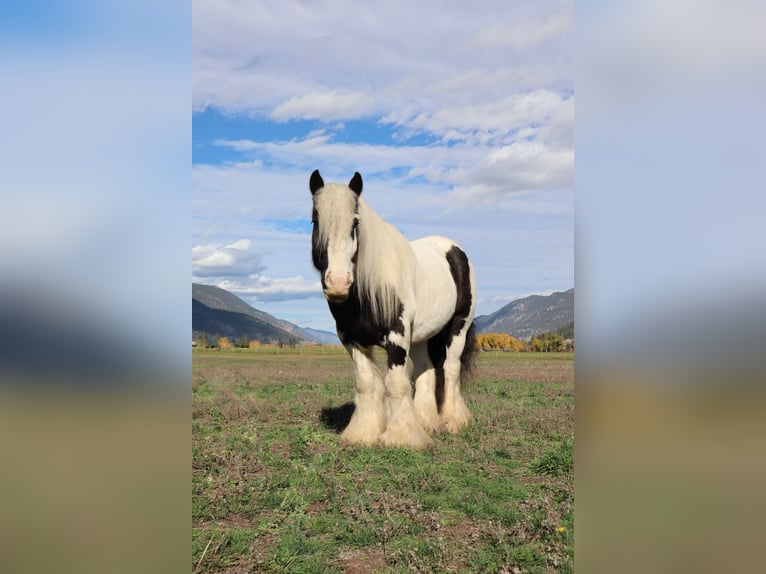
433,253
436,294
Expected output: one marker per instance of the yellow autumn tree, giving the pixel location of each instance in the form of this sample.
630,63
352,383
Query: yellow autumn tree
497,342
224,342
547,343
514,344
481,342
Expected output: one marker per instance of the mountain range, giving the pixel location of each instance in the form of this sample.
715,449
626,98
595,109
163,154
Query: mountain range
529,316
218,312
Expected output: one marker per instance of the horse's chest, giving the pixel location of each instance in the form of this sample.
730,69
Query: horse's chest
360,330
356,325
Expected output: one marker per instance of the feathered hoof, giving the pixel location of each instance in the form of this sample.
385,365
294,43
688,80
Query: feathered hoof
360,431
429,421
454,423
367,439
410,436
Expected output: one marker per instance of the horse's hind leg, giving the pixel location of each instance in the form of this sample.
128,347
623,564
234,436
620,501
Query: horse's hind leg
454,413
425,388
369,419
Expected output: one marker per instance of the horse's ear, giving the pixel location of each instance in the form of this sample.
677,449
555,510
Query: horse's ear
356,183
316,182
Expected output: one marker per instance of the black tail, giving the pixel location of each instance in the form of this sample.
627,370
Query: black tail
437,351
468,356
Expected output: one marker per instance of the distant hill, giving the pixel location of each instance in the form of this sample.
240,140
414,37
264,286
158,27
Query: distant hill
526,317
323,337
216,311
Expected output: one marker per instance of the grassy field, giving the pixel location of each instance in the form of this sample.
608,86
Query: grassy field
272,491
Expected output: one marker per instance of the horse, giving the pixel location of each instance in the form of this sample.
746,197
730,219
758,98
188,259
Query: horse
416,300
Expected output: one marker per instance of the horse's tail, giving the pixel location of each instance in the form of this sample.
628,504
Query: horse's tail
468,356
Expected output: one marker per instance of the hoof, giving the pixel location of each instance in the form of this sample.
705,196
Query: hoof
366,440
454,422
411,436
429,421
362,430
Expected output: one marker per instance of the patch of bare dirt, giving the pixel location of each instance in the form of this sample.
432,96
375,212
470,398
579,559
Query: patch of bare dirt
361,560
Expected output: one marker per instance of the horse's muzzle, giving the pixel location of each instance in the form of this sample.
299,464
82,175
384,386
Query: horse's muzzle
335,296
337,286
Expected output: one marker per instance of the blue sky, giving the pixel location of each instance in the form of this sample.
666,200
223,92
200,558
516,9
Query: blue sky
459,120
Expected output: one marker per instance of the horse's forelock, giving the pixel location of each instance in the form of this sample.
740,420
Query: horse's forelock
335,210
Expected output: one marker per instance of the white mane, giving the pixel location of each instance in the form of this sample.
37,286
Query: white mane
385,264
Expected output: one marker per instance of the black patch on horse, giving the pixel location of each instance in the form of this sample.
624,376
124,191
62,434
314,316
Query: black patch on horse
318,252
461,275
438,344
437,352
397,356
356,325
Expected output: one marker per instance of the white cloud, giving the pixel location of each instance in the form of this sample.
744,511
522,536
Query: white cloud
260,288
477,84
324,61
327,106
235,194
342,158
527,34
496,119
216,260
519,167
472,171
559,132
237,145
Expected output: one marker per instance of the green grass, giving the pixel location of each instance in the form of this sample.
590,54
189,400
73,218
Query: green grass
273,491
556,461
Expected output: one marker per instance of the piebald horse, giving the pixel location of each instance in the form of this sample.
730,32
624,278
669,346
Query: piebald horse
414,299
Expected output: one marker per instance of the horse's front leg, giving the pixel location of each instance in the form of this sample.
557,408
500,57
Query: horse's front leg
403,428
369,419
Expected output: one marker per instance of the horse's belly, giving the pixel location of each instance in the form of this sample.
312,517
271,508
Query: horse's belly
435,292
430,319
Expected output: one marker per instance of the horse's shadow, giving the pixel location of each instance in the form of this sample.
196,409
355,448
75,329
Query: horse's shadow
337,418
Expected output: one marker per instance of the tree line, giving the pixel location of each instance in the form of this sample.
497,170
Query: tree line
562,339
207,341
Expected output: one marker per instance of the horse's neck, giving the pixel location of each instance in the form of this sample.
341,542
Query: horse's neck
385,263
373,228
377,227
